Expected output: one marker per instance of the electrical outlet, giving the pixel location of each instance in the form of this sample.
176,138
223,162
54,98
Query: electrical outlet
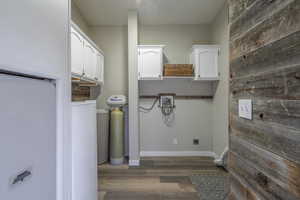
175,141
196,141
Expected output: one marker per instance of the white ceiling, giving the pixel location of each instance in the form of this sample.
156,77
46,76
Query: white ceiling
151,12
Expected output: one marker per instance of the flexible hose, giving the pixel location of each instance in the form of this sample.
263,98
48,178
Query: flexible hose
142,109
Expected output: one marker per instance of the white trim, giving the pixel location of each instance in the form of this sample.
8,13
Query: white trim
134,162
133,88
177,153
208,46
80,103
151,46
219,160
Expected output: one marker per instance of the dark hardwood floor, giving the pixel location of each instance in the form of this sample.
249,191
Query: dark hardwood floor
160,178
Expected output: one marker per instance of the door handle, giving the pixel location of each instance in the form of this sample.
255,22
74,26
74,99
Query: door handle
21,177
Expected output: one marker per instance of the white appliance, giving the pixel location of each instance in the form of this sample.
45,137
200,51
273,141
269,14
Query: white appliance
84,151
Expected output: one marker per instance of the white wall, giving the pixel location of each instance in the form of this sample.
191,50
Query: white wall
34,36
192,121
177,38
221,100
192,117
113,42
133,90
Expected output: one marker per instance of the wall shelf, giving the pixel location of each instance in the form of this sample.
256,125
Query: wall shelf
207,79
179,77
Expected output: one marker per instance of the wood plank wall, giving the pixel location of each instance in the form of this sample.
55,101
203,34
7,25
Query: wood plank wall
264,158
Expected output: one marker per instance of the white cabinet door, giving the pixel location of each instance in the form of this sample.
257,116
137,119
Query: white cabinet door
28,138
208,63
150,61
100,67
89,60
86,59
77,58
205,61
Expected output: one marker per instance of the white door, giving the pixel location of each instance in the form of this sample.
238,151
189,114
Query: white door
77,53
150,63
100,68
89,60
208,63
27,139
84,151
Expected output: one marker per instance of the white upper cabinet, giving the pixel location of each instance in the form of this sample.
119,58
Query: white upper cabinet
205,60
100,67
90,61
86,59
150,62
77,53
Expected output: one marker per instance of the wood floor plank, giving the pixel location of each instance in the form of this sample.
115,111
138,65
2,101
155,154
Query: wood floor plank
162,178
179,196
131,196
130,180
145,187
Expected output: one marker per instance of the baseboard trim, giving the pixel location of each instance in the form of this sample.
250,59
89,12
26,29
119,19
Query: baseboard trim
134,163
219,159
177,153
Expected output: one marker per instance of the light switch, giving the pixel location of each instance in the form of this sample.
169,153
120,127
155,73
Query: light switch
245,108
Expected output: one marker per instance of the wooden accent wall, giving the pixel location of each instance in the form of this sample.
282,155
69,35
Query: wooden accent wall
264,158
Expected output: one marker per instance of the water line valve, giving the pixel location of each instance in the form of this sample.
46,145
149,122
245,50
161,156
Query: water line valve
167,103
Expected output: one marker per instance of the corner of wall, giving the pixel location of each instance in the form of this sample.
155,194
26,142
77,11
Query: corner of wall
220,34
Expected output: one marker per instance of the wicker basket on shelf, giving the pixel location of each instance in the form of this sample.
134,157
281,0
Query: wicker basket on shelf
178,70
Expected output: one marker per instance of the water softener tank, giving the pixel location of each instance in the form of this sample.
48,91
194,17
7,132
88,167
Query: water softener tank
117,129
116,136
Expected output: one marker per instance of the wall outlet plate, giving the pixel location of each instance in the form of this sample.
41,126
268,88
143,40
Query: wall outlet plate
245,108
196,141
